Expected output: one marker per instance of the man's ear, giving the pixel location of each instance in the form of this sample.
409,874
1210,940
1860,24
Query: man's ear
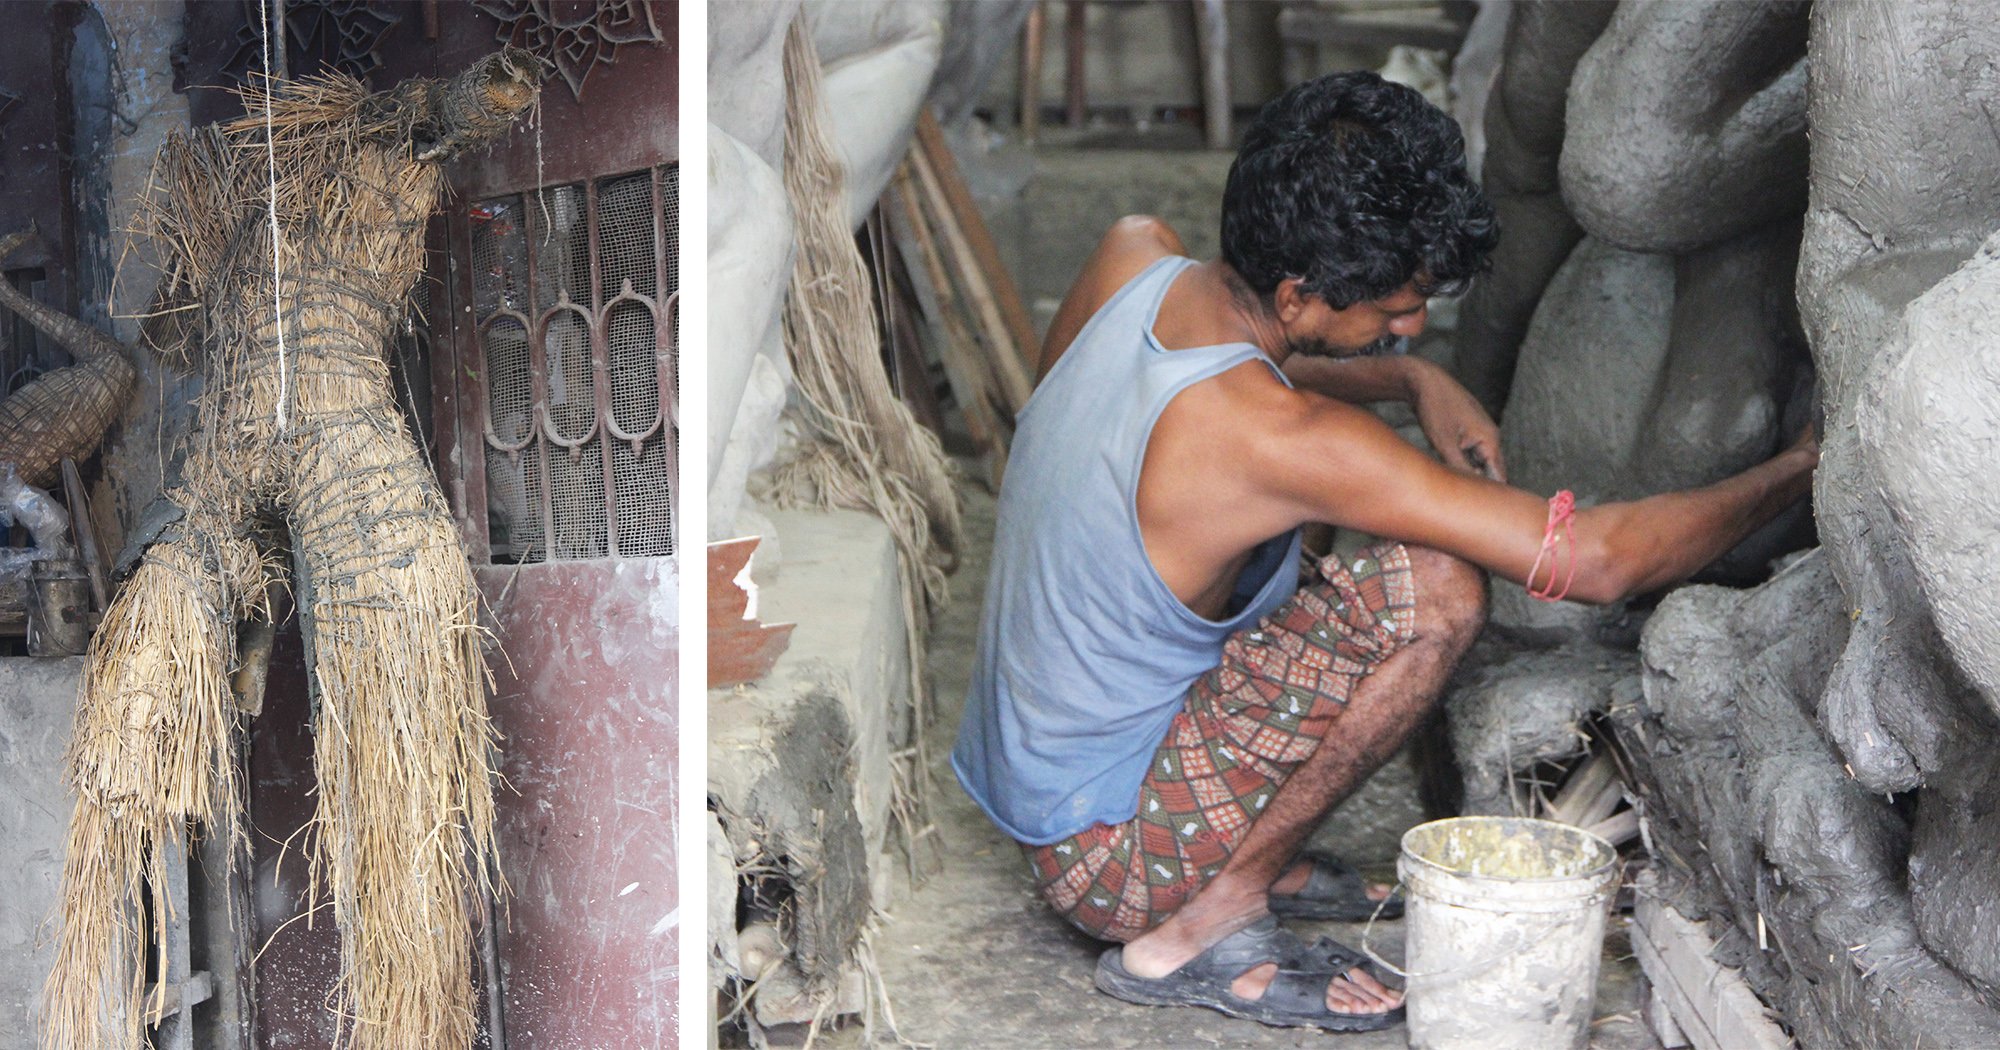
1289,298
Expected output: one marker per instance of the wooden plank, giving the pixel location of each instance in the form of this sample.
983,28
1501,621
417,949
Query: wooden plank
1710,1003
1010,375
740,648
970,382
85,528
1007,296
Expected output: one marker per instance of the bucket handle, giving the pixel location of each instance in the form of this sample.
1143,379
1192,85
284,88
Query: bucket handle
1520,941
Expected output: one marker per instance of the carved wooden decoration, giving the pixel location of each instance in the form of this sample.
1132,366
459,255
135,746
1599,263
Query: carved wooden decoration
573,38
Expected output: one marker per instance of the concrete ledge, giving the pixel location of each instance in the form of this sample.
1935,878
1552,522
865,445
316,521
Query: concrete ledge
37,701
801,762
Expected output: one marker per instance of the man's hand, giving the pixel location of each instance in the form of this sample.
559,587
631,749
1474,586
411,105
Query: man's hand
1807,442
1454,422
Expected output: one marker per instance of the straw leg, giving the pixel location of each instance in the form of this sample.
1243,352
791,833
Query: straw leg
405,811
152,753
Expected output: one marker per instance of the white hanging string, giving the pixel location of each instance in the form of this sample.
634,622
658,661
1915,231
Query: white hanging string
271,157
541,180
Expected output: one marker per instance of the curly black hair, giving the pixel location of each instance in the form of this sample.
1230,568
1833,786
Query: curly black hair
1356,186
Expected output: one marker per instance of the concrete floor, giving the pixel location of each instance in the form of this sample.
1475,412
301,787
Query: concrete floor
971,958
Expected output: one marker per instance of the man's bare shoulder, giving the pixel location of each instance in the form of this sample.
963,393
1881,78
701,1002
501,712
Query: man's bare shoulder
1127,248
1132,244
1276,432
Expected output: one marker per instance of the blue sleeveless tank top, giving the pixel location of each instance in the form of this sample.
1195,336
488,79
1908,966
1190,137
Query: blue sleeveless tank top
1084,654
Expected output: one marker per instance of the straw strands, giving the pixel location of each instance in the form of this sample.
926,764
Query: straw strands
866,450
404,819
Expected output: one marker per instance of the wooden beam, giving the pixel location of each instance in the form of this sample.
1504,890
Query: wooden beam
1711,1004
1003,357
1306,24
912,371
84,526
1618,829
972,223
1074,106
1592,791
957,349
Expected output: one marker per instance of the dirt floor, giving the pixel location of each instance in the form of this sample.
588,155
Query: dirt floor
972,958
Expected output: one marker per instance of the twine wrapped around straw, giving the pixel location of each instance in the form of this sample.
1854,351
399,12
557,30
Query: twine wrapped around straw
404,819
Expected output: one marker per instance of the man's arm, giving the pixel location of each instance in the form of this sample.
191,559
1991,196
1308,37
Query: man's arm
1454,421
1342,465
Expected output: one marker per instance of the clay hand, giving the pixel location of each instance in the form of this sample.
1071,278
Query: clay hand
1456,424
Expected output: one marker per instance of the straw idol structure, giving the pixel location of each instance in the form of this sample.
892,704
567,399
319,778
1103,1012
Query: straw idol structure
299,456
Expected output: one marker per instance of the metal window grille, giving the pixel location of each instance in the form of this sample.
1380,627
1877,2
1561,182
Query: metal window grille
575,290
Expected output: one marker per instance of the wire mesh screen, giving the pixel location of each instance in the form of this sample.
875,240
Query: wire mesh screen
574,292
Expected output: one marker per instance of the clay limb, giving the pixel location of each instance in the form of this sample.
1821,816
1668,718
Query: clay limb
1687,123
1746,798
1524,134
1931,412
1876,238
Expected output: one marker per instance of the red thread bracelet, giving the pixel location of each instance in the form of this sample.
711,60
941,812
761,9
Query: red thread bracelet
1562,514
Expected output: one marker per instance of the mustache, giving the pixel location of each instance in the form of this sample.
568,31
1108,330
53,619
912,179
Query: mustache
1388,345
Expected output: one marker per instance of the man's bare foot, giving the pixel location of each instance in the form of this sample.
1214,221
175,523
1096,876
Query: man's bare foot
1220,909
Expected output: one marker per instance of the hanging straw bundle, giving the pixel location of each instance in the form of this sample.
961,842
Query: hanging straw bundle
870,451
867,450
298,433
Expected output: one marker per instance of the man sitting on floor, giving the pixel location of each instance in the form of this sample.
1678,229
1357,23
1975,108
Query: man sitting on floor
1159,712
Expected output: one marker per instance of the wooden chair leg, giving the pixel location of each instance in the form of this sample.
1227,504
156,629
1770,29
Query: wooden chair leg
1032,35
1212,36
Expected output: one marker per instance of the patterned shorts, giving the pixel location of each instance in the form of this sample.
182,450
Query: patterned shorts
1242,730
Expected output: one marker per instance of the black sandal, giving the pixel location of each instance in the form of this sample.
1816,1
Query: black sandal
1334,891
1295,998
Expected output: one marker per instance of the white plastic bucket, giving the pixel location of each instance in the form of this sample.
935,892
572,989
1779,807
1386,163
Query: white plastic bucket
1504,928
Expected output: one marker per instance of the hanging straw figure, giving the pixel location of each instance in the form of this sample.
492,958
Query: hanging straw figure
402,831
